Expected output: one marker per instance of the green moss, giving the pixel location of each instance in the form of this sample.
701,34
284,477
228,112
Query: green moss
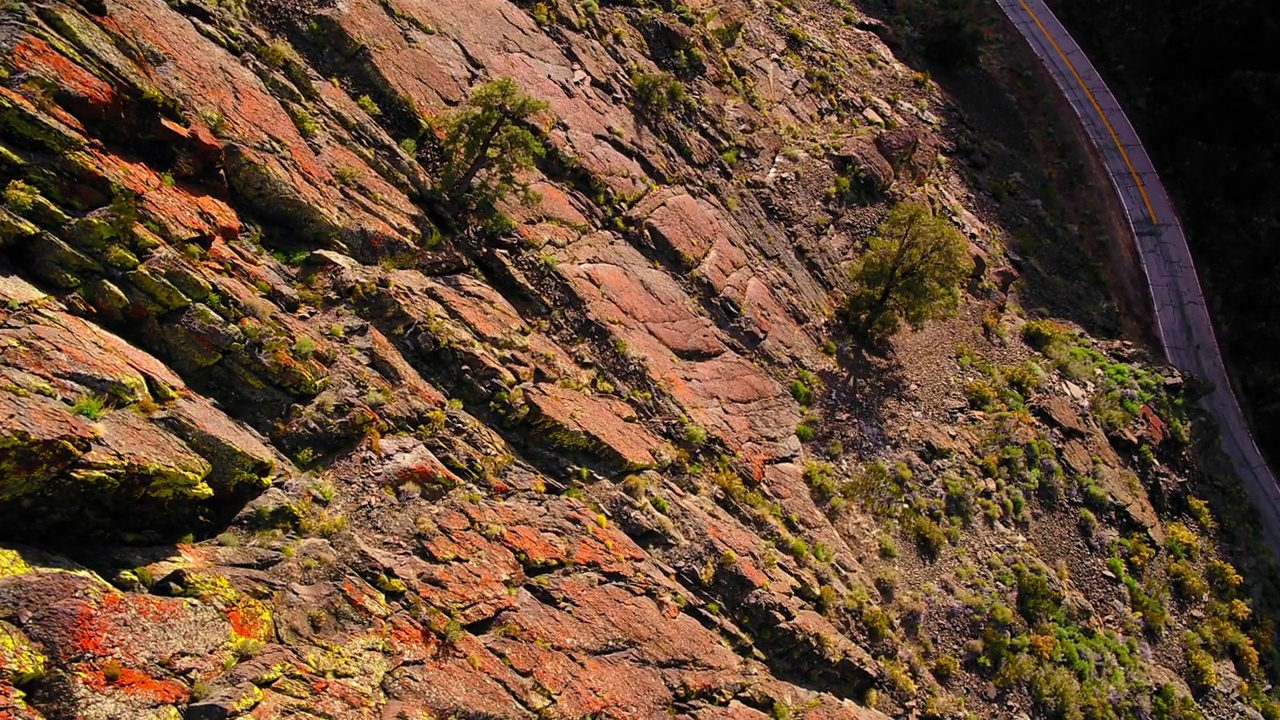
180,484
120,258
13,228
20,197
565,438
106,297
166,296
24,121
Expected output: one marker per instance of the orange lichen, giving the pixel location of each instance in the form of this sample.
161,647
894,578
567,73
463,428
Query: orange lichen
365,598
757,462
88,636
246,624
35,56
134,682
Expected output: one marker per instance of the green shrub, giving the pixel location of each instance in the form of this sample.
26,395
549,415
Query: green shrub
875,489
728,33
1094,496
658,94
821,479
959,498
804,387
805,432
695,435
1223,577
308,126
798,548
1199,510
1038,600
877,622
888,548
1044,334
982,395
246,648
453,632
1181,541
1023,379
1155,618
90,406
305,347
1088,522
274,53
1167,704
928,535
346,175
660,504
1201,673
367,104
801,393
946,667
828,599
1187,581
635,486
898,679
1057,692
823,553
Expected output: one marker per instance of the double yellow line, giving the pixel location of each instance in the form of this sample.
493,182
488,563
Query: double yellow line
1115,137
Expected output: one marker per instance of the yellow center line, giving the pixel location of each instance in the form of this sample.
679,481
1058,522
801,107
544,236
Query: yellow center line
1142,188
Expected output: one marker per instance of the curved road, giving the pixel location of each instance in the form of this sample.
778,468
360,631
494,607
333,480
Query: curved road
1182,317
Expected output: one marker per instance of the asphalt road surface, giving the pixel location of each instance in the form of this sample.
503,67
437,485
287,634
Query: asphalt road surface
1181,314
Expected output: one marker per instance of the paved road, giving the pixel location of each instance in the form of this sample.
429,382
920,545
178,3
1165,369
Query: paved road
1181,314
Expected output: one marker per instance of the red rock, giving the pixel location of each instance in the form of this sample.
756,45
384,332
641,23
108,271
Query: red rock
690,228
61,348
1157,429
600,420
108,651
34,56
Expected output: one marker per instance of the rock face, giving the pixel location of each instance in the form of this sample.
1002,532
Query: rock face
280,439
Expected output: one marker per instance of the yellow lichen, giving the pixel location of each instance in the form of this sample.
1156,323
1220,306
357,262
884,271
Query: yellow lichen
20,661
249,618
11,563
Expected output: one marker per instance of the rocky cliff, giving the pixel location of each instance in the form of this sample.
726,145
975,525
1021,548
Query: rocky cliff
282,438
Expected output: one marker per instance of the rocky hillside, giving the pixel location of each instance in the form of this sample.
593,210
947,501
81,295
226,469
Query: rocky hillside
285,434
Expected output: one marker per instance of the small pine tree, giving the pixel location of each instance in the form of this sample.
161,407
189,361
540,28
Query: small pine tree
487,143
911,272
